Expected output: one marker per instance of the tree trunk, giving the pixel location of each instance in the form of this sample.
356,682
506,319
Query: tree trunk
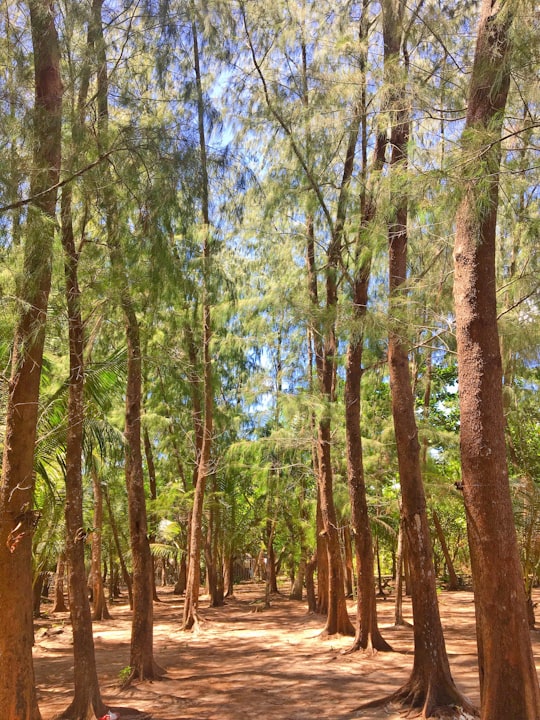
398,612
37,591
142,662
271,574
310,584
100,610
297,589
228,576
17,519
368,635
508,680
337,619
87,701
180,586
430,685
191,602
59,600
321,563
348,561
453,581
114,528
141,653
152,482
214,564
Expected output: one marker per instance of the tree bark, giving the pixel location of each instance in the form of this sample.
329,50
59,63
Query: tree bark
141,662
125,574
18,699
508,679
191,602
430,685
86,703
348,561
152,482
368,635
453,581
100,609
59,600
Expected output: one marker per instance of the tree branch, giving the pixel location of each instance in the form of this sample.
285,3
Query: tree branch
56,186
277,116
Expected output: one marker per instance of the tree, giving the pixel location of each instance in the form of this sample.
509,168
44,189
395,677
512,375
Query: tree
17,518
87,701
323,314
142,662
508,680
430,685
203,465
368,635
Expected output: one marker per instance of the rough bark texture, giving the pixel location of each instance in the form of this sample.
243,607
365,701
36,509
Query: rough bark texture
17,520
116,537
152,482
87,702
508,679
368,635
337,618
453,580
100,609
141,654
430,685
213,554
203,466
59,599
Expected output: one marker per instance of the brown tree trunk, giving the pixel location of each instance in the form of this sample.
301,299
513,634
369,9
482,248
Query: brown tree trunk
214,564
271,575
141,654
310,584
398,610
17,520
453,581
368,635
191,602
180,586
297,588
430,685
100,609
321,563
152,482
37,591
125,574
86,703
508,680
337,619
59,599
348,561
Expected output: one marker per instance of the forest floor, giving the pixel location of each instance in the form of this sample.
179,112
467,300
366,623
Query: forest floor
249,662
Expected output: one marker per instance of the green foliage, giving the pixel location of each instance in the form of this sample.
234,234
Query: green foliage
277,131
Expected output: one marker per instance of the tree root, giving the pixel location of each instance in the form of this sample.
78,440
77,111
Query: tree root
76,712
369,647
416,701
157,673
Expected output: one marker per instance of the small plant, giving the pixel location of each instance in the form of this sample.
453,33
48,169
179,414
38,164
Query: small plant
124,675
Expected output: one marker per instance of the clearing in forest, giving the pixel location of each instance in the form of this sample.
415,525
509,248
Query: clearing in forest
250,662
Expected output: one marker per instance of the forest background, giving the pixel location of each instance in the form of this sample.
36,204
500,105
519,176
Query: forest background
231,177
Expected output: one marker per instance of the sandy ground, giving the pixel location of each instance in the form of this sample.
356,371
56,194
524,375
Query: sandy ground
250,663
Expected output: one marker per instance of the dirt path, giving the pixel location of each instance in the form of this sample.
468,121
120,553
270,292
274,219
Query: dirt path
247,664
